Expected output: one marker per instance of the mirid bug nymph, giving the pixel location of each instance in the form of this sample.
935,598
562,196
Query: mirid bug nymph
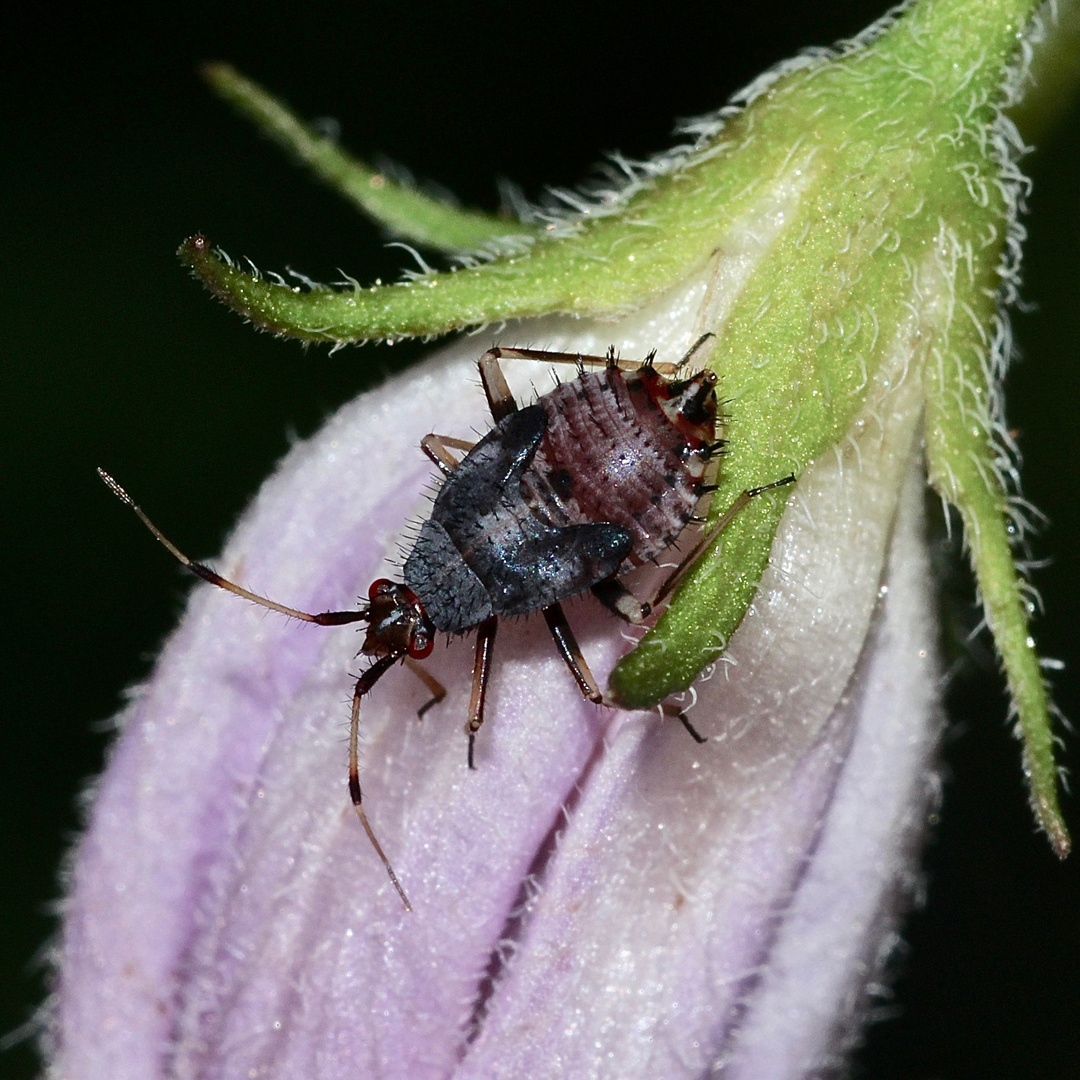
560,497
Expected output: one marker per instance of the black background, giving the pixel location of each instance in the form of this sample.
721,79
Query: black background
113,152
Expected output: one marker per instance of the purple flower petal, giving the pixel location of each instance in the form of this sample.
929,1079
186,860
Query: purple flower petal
602,897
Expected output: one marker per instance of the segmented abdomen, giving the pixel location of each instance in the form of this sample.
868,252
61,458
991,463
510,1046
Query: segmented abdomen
610,454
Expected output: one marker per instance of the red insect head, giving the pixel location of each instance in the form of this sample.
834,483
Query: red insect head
397,623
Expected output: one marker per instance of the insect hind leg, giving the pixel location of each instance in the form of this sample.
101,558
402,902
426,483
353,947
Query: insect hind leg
571,653
580,360
667,586
678,714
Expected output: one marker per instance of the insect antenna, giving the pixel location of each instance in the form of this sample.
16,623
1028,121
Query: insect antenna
325,618
363,686
322,618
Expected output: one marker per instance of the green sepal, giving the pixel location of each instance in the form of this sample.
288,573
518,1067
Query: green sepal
933,83
404,211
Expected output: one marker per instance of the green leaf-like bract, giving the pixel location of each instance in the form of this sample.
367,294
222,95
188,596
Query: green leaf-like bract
868,196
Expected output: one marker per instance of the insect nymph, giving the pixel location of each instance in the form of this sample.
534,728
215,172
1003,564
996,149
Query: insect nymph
560,497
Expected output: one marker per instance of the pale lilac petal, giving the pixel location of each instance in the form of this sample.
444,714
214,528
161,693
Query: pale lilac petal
668,903
228,919
225,910
842,920
225,901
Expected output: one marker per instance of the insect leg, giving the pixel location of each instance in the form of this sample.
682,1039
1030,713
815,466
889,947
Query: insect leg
571,653
485,642
363,686
622,602
322,618
435,688
728,516
437,447
678,714
564,637
500,399
707,336
581,360
619,600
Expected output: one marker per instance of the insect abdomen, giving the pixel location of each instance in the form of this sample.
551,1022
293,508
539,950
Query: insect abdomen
611,454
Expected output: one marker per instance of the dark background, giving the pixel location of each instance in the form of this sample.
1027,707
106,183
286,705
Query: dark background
113,152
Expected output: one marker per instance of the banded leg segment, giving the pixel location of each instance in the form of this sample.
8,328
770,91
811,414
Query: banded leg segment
570,651
485,644
619,600
438,447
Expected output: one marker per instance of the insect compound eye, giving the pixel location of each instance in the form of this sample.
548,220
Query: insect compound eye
380,587
420,644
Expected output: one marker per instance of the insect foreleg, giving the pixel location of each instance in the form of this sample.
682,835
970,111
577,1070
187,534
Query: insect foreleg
692,351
